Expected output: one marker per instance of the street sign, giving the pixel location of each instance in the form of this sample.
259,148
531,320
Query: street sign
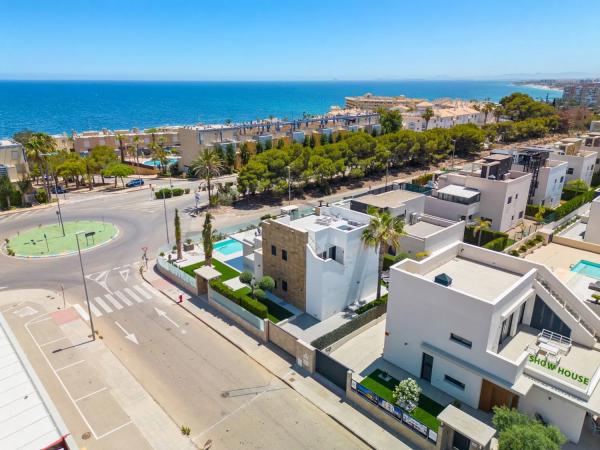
90,233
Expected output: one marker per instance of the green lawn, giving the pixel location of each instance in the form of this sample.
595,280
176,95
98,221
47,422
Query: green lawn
48,240
426,411
276,313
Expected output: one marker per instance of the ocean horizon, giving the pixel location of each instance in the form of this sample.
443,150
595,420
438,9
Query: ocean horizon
71,105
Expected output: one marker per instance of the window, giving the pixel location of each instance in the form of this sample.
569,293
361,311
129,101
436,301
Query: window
512,217
460,340
570,171
562,179
284,285
509,200
273,250
284,255
516,196
454,382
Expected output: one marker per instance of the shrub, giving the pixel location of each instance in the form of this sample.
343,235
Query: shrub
519,432
596,297
497,244
522,248
246,277
382,301
240,298
407,394
573,204
259,294
163,193
486,235
265,217
423,179
531,243
176,192
41,196
161,254
390,260
266,283
185,430
513,253
421,255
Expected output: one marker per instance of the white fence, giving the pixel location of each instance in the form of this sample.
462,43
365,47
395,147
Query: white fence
187,280
236,309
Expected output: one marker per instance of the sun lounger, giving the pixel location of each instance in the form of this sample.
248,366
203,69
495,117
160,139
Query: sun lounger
594,286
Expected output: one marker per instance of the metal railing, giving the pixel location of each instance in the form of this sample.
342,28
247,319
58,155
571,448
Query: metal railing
551,336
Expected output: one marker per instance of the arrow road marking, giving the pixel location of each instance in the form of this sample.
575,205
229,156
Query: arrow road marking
130,336
164,314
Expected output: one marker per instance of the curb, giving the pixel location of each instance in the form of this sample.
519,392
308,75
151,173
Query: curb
343,425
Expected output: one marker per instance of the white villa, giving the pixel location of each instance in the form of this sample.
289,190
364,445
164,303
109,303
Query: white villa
491,329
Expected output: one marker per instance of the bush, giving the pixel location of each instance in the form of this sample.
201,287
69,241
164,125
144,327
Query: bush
176,192
163,193
41,196
186,190
497,244
390,260
364,308
520,432
266,283
486,236
532,210
421,255
240,298
522,249
259,294
407,393
246,277
423,179
573,204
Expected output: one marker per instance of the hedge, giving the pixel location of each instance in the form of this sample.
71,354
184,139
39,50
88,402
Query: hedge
177,192
486,236
168,193
497,244
364,308
596,180
568,194
390,260
573,204
240,298
423,179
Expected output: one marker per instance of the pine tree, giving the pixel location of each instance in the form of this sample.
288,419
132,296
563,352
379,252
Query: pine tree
178,234
207,243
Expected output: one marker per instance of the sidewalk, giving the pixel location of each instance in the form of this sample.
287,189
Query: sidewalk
282,366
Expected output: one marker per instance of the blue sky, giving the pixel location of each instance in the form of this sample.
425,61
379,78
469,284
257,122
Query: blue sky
297,40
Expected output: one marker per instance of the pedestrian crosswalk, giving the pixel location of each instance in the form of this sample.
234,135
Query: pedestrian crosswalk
117,300
19,215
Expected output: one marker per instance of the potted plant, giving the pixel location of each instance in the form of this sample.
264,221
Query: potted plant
188,245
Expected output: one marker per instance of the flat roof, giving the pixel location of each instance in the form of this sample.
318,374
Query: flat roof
315,222
459,191
388,199
26,419
422,229
474,278
467,425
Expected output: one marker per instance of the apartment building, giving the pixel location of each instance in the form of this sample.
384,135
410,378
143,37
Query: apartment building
318,262
446,114
581,162
370,102
197,137
592,229
63,142
13,161
87,140
583,93
591,143
488,188
548,175
490,329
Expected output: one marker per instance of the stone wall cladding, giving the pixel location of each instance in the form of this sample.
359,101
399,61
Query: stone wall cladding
294,269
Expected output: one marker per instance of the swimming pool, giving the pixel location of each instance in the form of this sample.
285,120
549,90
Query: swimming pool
587,268
156,163
228,246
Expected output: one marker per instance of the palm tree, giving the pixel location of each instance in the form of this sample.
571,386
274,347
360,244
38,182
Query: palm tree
383,231
37,148
207,166
24,186
481,225
6,189
136,144
120,138
427,115
207,243
159,154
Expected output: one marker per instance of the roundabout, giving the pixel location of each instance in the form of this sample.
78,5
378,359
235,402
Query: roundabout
48,240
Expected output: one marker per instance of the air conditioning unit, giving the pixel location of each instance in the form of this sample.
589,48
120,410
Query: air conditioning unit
413,218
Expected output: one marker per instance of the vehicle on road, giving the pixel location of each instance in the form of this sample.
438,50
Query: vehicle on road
135,183
58,190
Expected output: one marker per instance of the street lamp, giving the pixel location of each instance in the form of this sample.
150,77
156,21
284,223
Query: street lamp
59,212
87,298
289,186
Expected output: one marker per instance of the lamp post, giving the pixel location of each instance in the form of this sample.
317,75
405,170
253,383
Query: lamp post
87,298
59,212
289,186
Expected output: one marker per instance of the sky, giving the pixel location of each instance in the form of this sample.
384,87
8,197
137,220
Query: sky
298,40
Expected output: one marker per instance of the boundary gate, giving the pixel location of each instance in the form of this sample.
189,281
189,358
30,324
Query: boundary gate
331,369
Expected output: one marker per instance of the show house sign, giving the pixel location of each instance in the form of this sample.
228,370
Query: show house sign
559,370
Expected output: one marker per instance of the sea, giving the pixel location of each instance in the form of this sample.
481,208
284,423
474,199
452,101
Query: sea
66,106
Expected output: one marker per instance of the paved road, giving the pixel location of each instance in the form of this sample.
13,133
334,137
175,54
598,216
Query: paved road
199,378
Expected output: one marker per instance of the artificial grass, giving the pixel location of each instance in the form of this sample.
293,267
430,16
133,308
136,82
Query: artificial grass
227,273
427,409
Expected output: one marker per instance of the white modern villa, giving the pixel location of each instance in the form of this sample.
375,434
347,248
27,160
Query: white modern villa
491,329
488,188
318,262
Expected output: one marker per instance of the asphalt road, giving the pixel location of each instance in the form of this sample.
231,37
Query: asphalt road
199,378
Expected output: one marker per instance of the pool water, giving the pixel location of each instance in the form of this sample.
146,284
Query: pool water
156,163
587,268
228,246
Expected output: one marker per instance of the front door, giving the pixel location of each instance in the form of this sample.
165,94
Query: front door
460,442
493,395
426,367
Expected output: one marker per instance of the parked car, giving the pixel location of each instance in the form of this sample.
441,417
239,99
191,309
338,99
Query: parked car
58,190
135,183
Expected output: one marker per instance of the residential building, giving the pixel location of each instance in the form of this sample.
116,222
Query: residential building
446,114
548,175
318,262
488,188
63,142
591,143
370,102
422,232
583,93
13,161
592,230
491,329
595,126
581,163
87,140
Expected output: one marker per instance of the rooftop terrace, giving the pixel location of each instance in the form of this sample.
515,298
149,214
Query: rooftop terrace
390,199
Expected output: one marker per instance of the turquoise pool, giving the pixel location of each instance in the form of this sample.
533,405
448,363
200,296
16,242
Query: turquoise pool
156,163
228,246
587,268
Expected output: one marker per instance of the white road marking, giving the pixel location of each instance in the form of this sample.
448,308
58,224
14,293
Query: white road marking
138,288
101,278
114,429
123,298
113,301
3,287
84,315
164,314
90,394
70,365
95,310
53,341
103,305
124,274
130,336
133,295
